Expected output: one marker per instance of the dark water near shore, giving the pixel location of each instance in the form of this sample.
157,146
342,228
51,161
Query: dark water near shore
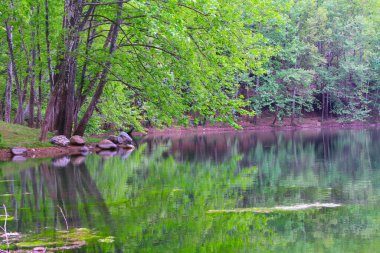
158,198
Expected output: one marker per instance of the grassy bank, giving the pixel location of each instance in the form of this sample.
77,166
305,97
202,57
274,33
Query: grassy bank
20,136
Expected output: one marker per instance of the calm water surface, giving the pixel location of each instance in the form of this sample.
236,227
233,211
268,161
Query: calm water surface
158,198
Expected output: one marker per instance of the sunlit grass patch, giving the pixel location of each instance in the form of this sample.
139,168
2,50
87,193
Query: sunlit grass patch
16,135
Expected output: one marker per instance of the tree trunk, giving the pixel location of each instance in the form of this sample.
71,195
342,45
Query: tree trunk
328,103
80,94
39,115
32,82
275,117
323,106
255,118
49,114
48,55
59,114
73,8
19,115
69,108
293,107
8,95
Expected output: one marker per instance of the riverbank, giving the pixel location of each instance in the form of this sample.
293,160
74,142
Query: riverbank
16,135
265,124
13,135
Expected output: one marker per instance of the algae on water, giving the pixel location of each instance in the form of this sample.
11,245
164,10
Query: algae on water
58,240
299,207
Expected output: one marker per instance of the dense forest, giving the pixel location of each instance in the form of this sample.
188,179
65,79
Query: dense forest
78,66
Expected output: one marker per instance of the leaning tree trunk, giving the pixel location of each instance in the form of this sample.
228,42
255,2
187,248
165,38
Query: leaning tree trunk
87,115
113,34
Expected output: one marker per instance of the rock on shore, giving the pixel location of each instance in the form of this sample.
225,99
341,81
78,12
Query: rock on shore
60,140
106,144
18,151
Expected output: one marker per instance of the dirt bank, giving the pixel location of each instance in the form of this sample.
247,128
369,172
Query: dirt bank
6,155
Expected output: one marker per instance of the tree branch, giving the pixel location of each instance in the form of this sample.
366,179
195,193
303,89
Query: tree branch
106,3
197,45
193,9
151,46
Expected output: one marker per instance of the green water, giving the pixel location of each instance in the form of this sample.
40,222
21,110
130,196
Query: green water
157,198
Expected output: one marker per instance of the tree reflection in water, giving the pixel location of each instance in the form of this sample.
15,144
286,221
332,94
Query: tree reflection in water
157,199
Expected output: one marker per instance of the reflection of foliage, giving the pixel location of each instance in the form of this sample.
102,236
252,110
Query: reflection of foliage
167,202
333,230
164,193
329,168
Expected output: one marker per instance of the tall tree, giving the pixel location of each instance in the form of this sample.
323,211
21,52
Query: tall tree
171,55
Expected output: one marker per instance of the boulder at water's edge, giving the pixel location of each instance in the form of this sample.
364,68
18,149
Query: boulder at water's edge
126,138
77,140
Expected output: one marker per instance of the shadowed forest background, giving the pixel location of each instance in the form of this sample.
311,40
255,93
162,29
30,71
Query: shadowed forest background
79,66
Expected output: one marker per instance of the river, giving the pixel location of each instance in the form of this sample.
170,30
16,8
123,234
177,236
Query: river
279,191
